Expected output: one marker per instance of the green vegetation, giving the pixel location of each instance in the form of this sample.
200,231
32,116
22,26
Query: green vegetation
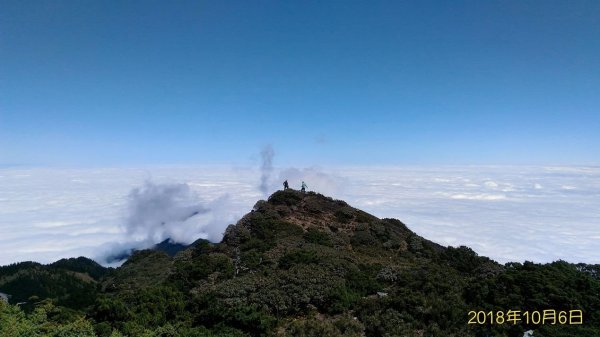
298,265
70,283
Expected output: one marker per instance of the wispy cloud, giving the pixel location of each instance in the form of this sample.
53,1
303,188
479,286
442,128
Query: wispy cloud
156,212
266,168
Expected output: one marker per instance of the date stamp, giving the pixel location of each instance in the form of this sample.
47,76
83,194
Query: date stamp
547,316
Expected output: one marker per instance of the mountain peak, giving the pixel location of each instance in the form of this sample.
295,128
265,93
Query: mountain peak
313,210
292,211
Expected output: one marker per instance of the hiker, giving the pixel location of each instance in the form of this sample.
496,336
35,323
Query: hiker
304,187
285,185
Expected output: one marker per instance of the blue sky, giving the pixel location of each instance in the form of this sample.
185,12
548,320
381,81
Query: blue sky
104,83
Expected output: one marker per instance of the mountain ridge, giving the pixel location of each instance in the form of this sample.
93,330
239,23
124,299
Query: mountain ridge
303,264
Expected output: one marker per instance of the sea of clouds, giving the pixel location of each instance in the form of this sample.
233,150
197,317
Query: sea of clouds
538,214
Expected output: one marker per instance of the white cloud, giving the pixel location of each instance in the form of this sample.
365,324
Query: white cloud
490,184
507,213
156,212
486,197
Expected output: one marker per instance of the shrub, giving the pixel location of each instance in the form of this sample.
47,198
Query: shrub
318,237
344,215
364,217
288,198
298,257
363,238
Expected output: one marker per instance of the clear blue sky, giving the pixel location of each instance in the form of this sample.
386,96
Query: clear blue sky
106,83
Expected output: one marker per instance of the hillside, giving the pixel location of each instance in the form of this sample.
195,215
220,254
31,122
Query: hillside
68,282
307,265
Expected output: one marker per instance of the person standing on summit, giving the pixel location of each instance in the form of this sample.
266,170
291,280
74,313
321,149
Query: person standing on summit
304,187
285,185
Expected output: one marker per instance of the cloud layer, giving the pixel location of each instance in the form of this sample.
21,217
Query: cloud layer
507,213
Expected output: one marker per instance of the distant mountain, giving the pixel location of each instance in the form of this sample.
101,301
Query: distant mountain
168,246
308,265
69,282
